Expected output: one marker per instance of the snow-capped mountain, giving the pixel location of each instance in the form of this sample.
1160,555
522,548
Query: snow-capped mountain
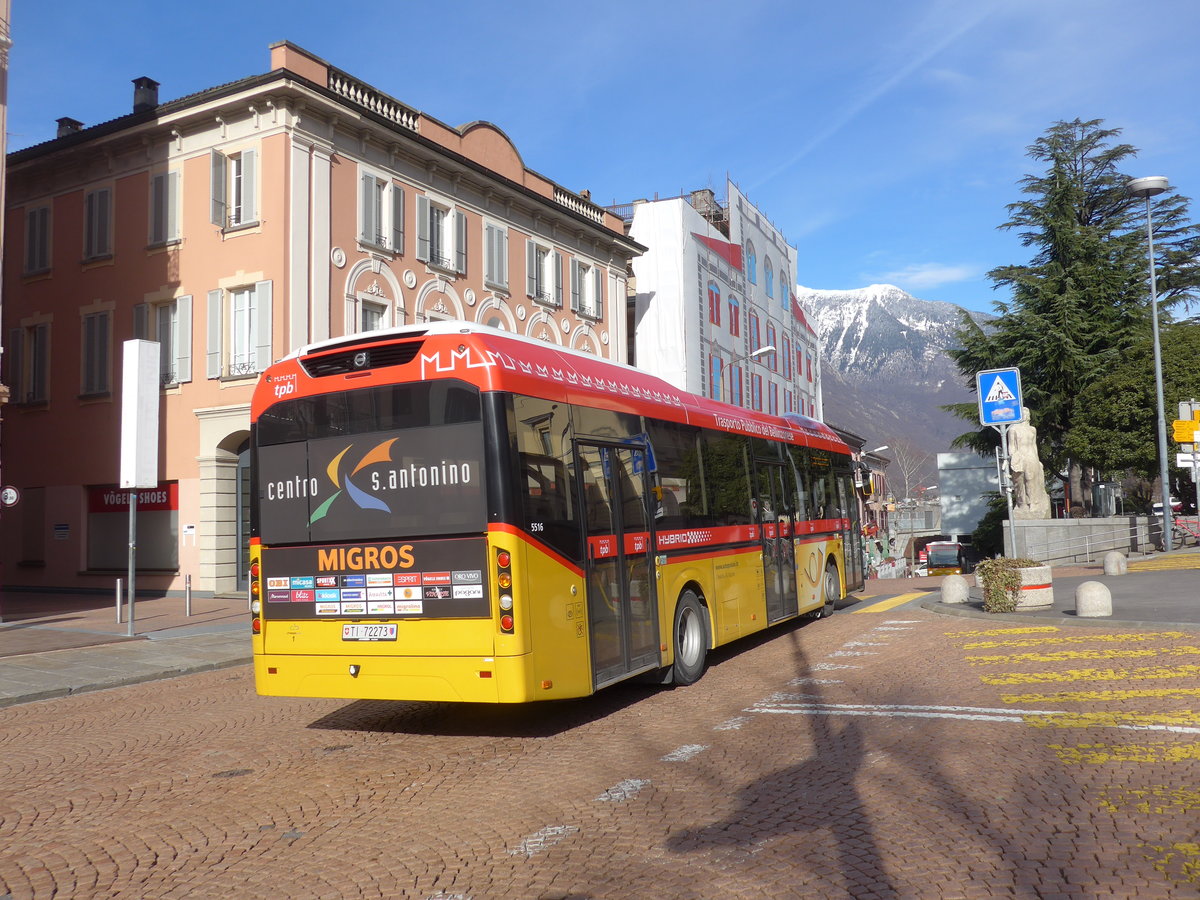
886,373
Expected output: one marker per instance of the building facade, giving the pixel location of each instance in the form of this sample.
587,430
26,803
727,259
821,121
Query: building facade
712,291
233,226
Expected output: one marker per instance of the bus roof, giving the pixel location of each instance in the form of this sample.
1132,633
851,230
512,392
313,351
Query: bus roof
494,360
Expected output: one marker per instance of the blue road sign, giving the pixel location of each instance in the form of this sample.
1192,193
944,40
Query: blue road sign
999,393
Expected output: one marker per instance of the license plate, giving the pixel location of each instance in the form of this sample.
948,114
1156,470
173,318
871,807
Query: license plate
384,631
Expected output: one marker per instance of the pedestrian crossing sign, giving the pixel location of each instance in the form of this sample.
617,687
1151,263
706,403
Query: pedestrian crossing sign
999,392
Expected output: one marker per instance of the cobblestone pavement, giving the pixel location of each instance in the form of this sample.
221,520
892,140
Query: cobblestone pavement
899,754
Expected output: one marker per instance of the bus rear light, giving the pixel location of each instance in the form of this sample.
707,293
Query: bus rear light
504,580
256,625
547,684
485,673
506,602
506,623
503,559
254,569
255,607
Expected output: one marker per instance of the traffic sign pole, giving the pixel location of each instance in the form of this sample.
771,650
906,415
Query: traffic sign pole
1001,406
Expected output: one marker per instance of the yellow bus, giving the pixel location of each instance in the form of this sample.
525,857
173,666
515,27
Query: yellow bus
449,512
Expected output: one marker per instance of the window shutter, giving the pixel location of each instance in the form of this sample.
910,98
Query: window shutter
213,360
460,241
89,226
367,226
103,218
262,324
249,186
530,269
397,218
597,291
220,189
183,339
173,206
158,209
141,320
489,254
502,256
39,368
422,228
575,285
13,356
558,278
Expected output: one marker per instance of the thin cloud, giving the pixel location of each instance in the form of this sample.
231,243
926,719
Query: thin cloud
925,276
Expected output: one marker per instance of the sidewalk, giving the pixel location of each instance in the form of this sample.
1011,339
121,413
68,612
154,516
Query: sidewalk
52,645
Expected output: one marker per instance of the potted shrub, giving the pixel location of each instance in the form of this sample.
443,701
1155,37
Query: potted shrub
1010,585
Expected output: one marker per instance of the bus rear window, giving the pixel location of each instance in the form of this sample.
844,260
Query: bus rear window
396,462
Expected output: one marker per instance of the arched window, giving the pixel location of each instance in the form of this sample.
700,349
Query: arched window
735,316
785,288
714,303
753,323
769,271
751,263
715,373
772,357
786,356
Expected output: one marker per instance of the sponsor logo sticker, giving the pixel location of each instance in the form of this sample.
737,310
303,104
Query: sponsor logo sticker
409,607
406,578
306,596
468,591
379,593
379,579
408,593
354,581
353,595
279,596
303,582
437,592
327,581
329,609
435,578
354,609
381,608
324,596
467,576
278,582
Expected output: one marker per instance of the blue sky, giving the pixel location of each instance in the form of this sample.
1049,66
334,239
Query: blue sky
885,137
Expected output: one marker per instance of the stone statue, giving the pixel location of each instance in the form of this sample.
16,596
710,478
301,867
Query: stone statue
1030,500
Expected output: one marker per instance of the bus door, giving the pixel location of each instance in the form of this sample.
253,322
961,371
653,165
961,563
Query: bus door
852,539
622,601
777,524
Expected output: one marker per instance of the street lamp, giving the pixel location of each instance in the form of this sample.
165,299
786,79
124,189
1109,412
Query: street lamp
1144,189
753,354
877,449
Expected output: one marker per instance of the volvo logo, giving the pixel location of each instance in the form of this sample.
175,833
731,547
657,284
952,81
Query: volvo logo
362,359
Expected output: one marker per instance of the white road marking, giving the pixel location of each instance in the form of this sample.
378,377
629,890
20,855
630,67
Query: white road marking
541,840
731,724
829,667
623,790
686,752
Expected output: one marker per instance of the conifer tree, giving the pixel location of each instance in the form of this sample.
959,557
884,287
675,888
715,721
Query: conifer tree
1081,304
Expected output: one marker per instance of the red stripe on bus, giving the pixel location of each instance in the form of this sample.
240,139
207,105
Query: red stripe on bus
513,531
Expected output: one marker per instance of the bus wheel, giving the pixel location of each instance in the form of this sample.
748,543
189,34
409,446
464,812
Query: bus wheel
833,589
691,640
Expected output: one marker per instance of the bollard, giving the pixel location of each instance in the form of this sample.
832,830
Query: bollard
187,596
1115,563
118,601
1092,600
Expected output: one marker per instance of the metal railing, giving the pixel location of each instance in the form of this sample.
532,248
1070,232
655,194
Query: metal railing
1142,537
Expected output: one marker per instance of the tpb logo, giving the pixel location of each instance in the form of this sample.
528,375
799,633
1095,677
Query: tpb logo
283,388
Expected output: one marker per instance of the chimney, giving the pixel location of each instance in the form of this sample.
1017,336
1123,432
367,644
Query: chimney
67,125
145,94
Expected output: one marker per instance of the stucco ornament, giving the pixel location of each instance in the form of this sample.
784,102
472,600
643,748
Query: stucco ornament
1030,500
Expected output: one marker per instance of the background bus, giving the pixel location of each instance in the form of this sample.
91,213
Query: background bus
449,512
945,558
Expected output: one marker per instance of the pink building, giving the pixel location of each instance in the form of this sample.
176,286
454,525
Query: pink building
233,226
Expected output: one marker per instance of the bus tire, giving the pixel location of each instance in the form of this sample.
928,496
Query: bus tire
832,586
690,639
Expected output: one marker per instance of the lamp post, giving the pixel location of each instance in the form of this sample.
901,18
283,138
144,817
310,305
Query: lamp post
753,354
1144,189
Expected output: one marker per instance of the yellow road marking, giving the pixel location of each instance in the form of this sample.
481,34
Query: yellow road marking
885,605
1099,754
1183,718
1160,800
1181,859
1077,639
1167,563
1063,655
1092,675
1102,696
1032,629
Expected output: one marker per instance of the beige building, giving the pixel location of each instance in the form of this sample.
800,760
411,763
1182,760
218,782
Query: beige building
232,226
